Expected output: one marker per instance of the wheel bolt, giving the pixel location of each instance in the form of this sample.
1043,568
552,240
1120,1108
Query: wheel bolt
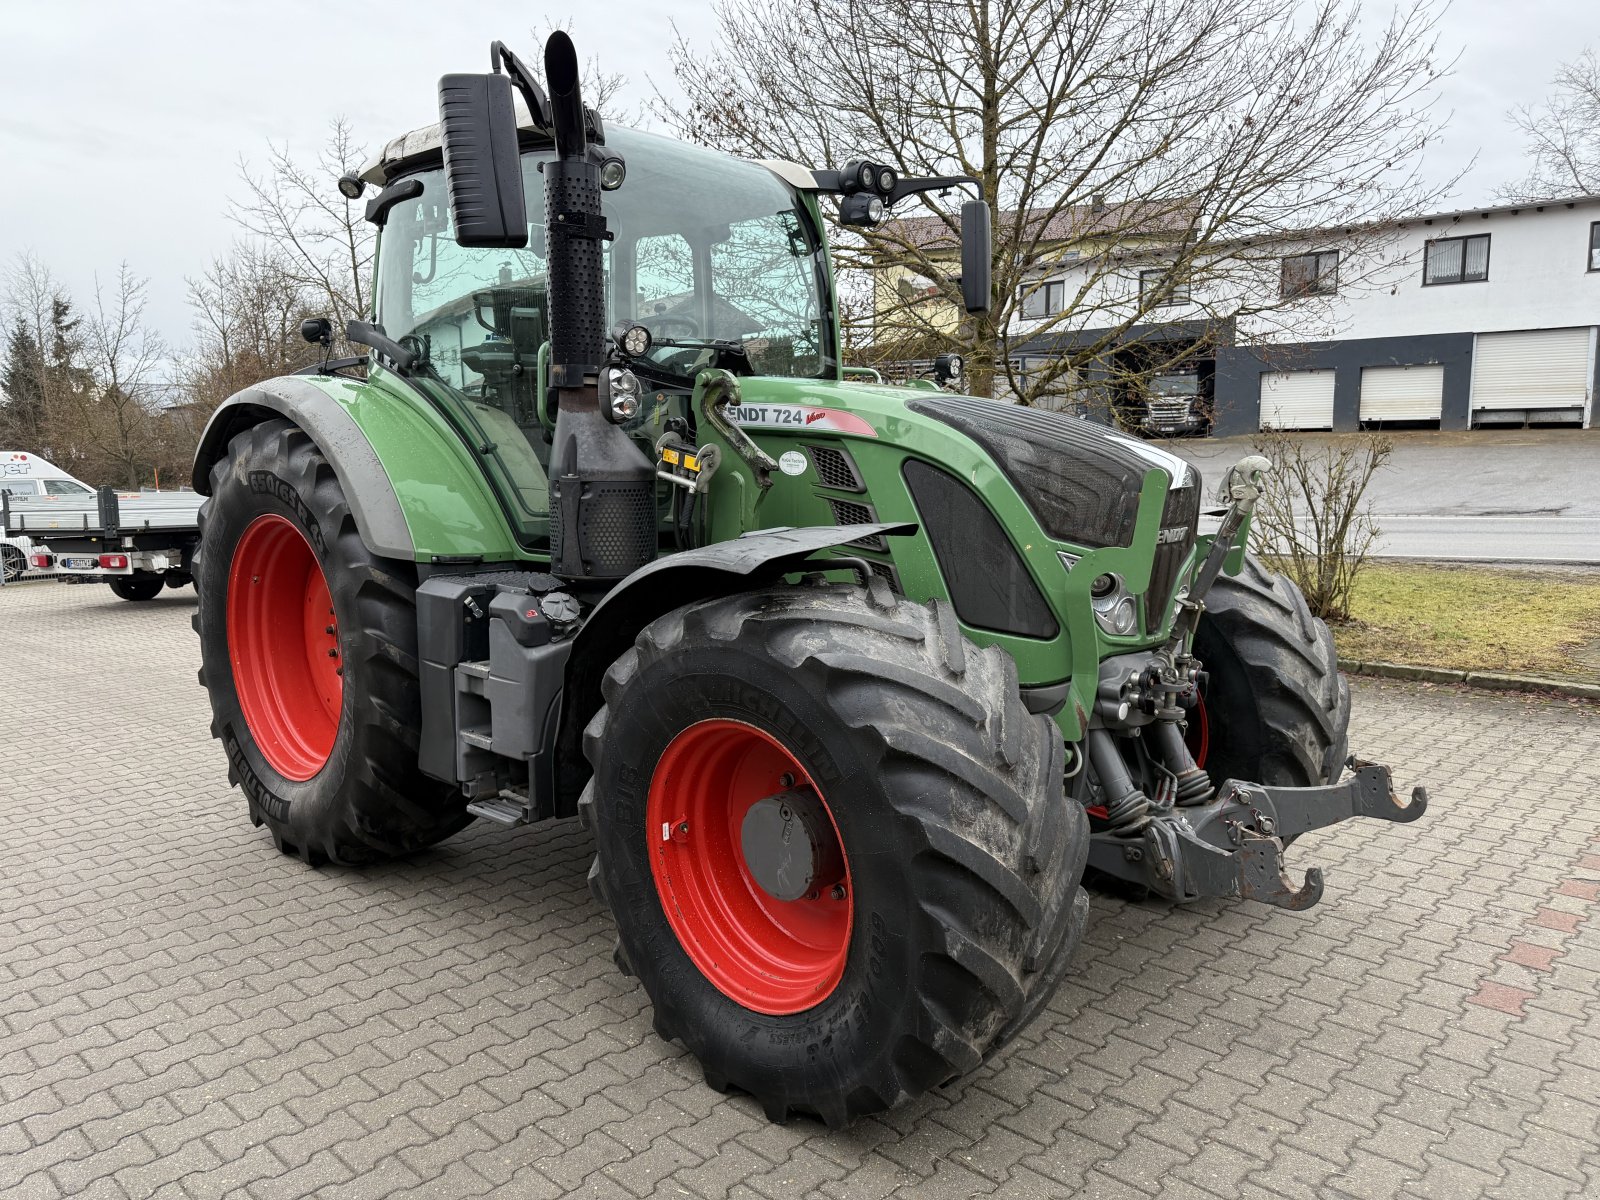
837,891
786,780
333,654
331,629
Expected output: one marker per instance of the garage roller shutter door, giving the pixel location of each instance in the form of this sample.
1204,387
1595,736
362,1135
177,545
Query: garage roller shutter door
1297,400
1544,368
1402,393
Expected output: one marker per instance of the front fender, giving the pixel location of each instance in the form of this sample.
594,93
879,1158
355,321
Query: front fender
743,563
414,489
373,503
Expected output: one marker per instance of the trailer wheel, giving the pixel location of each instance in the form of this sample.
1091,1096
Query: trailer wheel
308,646
137,587
835,842
1275,708
13,562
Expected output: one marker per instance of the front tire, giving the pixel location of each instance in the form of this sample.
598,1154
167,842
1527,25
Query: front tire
1276,710
947,914
308,646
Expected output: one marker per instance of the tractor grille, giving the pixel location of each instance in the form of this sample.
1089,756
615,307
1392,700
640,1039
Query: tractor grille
836,469
1081,479
848,512
1182,511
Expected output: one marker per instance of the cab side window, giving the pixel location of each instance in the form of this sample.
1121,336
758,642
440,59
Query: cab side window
65,487
19,487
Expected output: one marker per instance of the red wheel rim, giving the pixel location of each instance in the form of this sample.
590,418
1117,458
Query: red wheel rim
773,956
1198,735
283,644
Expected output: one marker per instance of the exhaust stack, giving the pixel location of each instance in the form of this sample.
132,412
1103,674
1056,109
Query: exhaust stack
602,487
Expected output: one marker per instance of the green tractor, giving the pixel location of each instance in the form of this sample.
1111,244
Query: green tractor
852,683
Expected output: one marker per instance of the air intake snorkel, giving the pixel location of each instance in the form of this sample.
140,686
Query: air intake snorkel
602,487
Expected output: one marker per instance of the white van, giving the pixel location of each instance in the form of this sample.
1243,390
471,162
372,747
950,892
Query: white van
23,474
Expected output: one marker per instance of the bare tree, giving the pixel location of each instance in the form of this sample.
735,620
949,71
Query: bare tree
119,416
247,306
1188,137
322,239
1563,135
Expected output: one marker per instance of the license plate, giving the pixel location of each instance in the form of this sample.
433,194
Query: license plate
79,563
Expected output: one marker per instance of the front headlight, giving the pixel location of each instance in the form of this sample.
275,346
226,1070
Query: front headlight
622,394
1115,609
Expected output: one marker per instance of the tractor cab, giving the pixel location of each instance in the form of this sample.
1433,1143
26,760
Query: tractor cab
722,260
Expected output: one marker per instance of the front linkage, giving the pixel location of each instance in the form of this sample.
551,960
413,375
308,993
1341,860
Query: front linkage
1171,830
1233,845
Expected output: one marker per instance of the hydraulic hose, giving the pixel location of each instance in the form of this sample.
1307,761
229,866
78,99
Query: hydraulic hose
1127,808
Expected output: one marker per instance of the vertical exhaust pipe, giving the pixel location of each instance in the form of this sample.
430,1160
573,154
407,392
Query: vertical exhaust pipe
602,487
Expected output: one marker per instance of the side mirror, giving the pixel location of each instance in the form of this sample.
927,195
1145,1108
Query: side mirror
977,253
482,161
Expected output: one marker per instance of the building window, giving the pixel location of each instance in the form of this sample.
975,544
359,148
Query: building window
1311,274
1456,260
1157,287
1045,300
1594,246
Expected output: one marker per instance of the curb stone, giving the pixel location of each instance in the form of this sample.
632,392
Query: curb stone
1488,680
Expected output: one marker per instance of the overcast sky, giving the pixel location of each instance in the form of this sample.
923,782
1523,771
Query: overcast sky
121,125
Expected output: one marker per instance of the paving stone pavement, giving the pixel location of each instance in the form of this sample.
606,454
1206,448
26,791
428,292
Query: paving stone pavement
186,1013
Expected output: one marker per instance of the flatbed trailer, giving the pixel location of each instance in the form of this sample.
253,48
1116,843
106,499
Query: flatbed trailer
136,543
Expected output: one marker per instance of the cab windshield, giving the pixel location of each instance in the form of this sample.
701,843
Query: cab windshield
709,253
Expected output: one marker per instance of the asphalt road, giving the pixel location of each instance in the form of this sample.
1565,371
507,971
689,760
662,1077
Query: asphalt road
1504,496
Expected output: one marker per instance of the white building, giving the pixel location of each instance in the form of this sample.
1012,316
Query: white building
1455,320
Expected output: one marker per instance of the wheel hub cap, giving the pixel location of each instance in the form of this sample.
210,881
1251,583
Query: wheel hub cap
790,847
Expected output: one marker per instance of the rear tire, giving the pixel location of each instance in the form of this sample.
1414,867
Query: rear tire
13,562
962,853
327,758
137,587
1277,711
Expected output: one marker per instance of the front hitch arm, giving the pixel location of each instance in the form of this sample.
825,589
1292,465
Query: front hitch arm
1233,845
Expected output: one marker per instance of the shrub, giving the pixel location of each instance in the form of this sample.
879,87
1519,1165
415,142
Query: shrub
1312,521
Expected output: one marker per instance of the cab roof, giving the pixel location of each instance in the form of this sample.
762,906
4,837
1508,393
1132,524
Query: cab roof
426,140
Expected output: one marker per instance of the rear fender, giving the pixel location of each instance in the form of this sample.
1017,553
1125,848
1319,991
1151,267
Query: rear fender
723,568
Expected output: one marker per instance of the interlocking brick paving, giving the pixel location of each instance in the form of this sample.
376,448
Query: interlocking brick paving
186,1013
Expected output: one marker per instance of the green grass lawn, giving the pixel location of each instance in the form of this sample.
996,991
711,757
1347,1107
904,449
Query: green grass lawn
1475,619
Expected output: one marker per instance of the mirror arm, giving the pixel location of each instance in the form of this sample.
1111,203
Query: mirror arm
538,103
932,183
833,181
378,207
365,333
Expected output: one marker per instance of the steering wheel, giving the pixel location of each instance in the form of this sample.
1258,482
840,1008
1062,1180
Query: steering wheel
689,324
